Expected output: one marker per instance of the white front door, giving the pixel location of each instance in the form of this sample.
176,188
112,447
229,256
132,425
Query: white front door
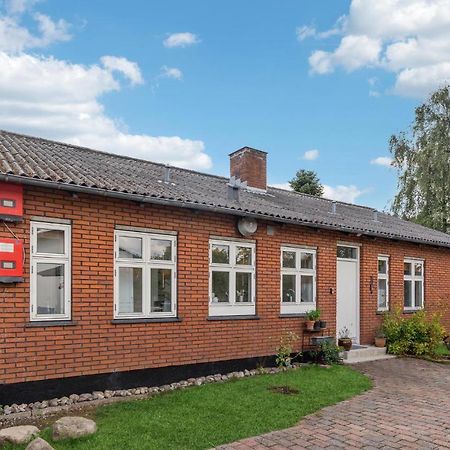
347,308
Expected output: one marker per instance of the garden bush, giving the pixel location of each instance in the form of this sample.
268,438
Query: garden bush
418,335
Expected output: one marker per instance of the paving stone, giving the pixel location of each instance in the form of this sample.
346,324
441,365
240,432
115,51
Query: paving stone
408,408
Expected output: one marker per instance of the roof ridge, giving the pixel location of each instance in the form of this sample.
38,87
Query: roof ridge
324,199
197,172
103,152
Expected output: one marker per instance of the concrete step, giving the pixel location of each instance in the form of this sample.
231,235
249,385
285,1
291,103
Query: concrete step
364,354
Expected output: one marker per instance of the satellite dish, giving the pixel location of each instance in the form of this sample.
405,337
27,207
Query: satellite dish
247,226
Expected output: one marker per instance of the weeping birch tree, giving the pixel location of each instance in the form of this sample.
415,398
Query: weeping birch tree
422,159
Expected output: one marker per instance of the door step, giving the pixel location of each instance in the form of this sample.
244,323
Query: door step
365,354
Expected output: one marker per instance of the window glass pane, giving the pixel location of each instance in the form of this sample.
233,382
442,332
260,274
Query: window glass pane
382,293
220,287
244,256
307,261
418,294
130,247
220,254
161,249
382,266
346,252
161,290
418,269
407,293
130,290
50,241
407,268
306,289
50,289
289,260
243,287
288,288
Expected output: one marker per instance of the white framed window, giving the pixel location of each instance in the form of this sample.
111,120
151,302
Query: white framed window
144,275
383,283
413,289
298,280
231,278
50,281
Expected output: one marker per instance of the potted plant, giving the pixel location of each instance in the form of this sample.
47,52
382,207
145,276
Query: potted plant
310,320
323,324
345,340
380,339
317,319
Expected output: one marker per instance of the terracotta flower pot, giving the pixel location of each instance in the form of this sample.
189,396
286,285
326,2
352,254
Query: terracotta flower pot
380,342
346,343
309,325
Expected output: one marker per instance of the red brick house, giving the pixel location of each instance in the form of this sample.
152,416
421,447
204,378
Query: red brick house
137,273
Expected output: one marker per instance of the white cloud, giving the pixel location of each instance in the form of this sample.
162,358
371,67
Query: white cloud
60,100
16,38
171,72
181,40
304,32
342,193
382,161
19,6
354,52
285,186
311,155
410,38
127,68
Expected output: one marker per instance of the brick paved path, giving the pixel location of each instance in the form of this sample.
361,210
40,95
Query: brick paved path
408,408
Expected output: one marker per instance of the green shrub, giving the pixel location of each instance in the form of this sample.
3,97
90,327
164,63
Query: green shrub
418,335
327,353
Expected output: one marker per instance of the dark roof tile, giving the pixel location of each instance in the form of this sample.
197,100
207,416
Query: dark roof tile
54,162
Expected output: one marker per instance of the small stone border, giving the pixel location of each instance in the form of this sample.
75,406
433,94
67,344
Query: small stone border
24,411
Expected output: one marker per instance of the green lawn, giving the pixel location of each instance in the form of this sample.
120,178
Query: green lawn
209,415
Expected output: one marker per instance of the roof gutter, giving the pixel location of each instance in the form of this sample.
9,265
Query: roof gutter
197,206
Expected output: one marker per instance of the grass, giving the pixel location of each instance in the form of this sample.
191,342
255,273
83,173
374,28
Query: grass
443,350
209,415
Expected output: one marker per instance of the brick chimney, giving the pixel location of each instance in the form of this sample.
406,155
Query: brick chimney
249,164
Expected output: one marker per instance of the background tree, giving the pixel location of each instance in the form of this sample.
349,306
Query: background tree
422,159
307,182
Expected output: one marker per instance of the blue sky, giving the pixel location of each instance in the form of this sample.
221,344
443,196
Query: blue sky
235,73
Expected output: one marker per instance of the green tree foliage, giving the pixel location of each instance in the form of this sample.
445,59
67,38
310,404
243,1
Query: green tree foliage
307,182
422,159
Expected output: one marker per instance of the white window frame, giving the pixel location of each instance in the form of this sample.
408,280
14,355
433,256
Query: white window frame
383,276
51,258
147,264
298,307
232,308
413,278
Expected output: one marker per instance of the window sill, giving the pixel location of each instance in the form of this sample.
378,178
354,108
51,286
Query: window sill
293,315
380,312
213,318
50,323
411,311
146,320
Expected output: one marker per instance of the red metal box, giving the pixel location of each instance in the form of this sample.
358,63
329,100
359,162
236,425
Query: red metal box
11,202
11,260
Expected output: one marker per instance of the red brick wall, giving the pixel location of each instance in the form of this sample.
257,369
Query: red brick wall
95,345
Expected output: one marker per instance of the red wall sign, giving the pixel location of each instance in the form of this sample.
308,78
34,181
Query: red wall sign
11,202
11,260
